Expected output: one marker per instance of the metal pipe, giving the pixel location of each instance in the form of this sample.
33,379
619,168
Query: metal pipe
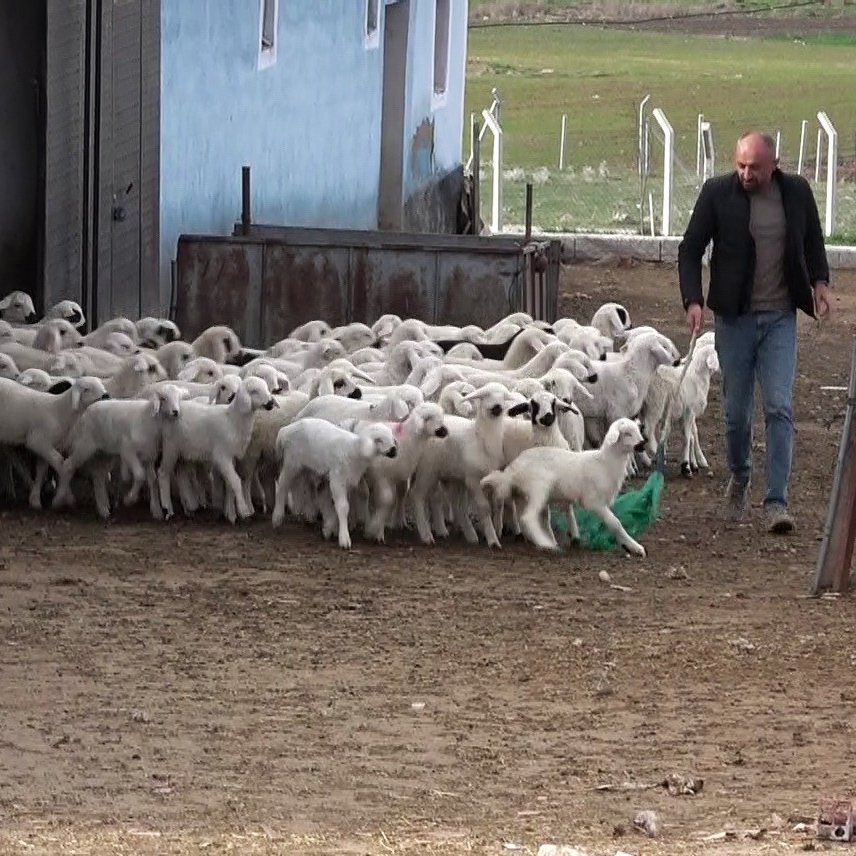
562,141
476,173
528,233
831,170
668,168
246,216
801,159
496,200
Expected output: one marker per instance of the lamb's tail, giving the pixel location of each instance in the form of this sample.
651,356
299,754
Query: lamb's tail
497,485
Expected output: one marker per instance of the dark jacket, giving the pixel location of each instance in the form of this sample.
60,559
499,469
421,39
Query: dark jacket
721,214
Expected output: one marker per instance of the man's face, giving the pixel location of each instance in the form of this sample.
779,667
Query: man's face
755,163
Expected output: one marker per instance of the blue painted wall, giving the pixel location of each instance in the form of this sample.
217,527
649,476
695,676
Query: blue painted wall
309,125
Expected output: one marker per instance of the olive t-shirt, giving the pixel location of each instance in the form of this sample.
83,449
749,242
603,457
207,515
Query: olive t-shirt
767,226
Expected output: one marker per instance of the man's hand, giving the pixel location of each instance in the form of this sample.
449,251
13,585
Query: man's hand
823,300
695,317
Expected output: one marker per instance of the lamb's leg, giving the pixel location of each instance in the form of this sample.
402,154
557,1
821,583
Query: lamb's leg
439,507
152,481
423,484
461,507
383,496
686,454
614,525
573,526
168,461
226,468
698,454
283,481
80,454
530,521
138,473
339,492
483,509
100,487
48,456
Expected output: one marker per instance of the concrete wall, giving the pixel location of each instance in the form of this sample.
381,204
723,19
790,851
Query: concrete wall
308,125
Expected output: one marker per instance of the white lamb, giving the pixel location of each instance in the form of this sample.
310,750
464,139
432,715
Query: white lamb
214,435
41,422
388,479
688,403
154,332
472,450
591,479
334,454
8,369
17,307
130,430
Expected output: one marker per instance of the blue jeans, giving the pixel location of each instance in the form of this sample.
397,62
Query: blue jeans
762,345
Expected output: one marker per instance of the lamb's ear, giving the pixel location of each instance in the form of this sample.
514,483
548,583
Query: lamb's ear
565,407
284,381
361,375
400,409
75,396
155,404
579,389
474,396
431,382
612,436
243,402
366,447
519,409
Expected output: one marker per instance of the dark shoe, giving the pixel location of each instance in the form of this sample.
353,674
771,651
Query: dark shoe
777,519
736,500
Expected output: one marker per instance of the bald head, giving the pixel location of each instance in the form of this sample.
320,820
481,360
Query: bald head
755,158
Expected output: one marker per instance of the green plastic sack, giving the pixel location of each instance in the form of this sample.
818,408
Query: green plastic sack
636,509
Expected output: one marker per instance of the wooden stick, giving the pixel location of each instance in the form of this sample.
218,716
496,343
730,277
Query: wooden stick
836,550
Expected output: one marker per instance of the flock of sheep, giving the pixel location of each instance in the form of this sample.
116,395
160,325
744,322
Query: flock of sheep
378,426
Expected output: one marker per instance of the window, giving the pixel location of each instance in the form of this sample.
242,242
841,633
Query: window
441,49
372,31
268,15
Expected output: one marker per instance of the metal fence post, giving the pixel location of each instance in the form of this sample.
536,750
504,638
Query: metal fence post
668,168
831,170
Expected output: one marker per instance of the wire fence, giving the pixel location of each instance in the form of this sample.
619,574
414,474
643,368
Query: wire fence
594,194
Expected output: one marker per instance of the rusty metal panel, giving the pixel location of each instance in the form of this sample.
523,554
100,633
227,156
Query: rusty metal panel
478,289
399,281
302,283
267,284
219,282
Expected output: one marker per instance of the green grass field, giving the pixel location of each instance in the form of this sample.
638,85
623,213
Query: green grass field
598,76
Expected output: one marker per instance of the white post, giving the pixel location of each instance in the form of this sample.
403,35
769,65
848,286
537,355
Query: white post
699,158
496,201
472,140
778,143
651,213
643,143
803,127
708,152
831,171
668,168
562,141
818,155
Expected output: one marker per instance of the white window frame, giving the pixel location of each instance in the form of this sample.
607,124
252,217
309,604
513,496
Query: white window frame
267,52
371,38
439,96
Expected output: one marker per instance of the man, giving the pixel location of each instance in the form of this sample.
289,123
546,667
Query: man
768,260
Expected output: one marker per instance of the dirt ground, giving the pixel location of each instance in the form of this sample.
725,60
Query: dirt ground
196,687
